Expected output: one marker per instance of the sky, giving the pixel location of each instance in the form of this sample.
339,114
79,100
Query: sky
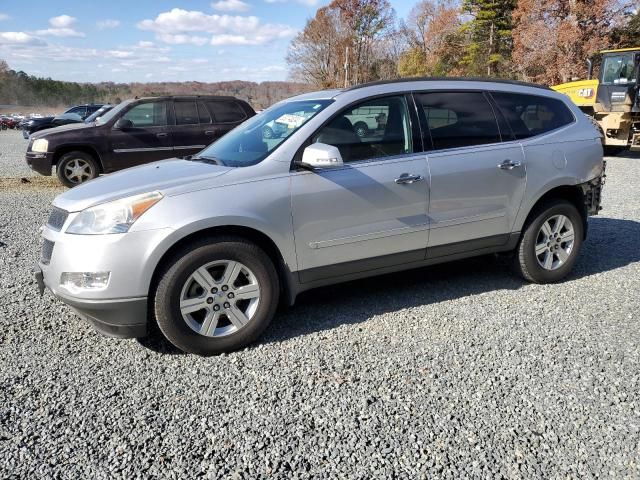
154,40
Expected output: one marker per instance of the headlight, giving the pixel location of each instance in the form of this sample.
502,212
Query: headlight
40,145
113,217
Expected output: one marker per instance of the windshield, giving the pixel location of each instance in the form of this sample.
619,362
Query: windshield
112,113
252,141
619,69
98,113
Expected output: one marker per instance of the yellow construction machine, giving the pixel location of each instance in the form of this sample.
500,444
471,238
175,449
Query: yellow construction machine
613,99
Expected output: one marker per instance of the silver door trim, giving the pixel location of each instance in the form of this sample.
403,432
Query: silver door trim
188,147
470,219
369,236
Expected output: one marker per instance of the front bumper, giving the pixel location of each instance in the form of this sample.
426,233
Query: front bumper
40,162
120,318
119,309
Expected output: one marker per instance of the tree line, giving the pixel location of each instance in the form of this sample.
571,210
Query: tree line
19,88
543,41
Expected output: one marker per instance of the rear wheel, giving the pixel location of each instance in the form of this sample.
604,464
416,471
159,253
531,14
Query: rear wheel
550,243
267,132
361,129
75,168
217,296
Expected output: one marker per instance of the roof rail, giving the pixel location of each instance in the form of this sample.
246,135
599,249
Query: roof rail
448,79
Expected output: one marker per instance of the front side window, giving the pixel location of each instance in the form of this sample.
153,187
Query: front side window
530,115
619,69
376,128
248,145
186,113
151,114
458,119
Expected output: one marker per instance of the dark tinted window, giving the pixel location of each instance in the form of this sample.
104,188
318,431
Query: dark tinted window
530,115
458,119
186,113
372,129
151,114
203,113
226,111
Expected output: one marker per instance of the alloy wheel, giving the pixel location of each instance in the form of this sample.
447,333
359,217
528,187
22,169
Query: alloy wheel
219,298
78,170
554,242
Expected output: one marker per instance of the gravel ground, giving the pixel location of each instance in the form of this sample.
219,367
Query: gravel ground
456,371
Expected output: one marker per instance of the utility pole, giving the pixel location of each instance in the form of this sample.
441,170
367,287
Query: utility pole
346,68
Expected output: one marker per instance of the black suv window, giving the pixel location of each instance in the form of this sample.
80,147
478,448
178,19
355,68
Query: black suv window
226,111
186,113
530,115
458,119
151,114
203,113
372,129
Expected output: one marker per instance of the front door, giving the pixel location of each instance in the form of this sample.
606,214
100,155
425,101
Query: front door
145,140
369,213
477,180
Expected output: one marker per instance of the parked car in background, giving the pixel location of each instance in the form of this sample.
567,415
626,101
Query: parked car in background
210,246
8,123
98,113
134,132
75,114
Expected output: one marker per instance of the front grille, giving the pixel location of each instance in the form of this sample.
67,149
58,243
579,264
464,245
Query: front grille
47,250
57,219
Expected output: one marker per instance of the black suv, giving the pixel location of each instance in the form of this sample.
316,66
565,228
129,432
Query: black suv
75,114
134,132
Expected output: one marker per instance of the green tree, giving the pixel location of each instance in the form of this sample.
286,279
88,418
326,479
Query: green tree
490,37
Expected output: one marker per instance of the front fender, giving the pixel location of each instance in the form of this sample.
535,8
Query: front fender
263,206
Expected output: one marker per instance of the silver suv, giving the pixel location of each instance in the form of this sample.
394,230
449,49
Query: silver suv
209,245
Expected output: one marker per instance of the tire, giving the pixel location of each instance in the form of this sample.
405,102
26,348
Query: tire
563,255
77,167
202,332
361,129
267,132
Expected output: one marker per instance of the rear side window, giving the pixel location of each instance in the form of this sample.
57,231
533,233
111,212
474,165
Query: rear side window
226,111
530,115
458,119
203,113
186,113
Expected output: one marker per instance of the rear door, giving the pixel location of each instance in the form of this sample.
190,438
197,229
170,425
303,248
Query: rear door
188,134
148,139
477,180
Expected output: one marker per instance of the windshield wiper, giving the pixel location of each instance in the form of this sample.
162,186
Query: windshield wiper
201,158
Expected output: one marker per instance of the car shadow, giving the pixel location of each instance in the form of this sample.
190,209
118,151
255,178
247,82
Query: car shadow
626,154
324,308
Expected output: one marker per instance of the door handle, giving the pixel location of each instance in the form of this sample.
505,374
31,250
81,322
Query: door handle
161,135
509,165
406,179
209,133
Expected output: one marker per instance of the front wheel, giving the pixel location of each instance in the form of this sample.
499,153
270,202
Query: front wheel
216,296
550,243
75,168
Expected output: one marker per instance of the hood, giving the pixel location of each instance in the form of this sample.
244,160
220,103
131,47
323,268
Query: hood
163,176
63,128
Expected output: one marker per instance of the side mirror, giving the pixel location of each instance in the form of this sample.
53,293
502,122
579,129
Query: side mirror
123,124
321,155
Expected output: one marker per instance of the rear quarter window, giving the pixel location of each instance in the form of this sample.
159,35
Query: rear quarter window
531,115
226,111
